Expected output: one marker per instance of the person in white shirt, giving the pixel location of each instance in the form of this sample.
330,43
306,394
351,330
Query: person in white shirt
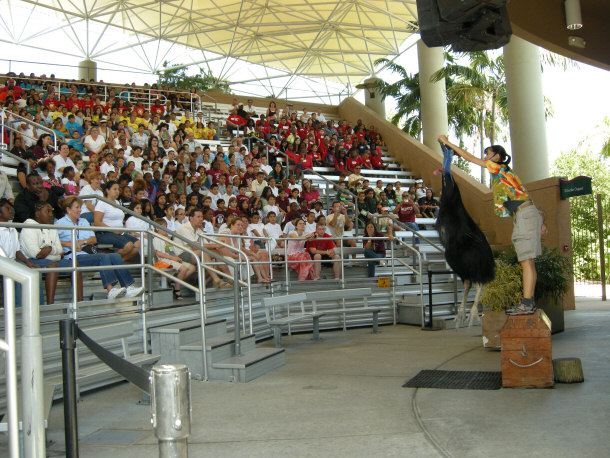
107,215
318,210
135,158
42,247
9,242
169,217
257,186
310,224
264,167
274,231
107,165
320,116
139,138
62,160
272,208
133,222
214,195
93,187
94,142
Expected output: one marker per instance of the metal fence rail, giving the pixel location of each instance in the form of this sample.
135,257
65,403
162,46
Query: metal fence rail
590,217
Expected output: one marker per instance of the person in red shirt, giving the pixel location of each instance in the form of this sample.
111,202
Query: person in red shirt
234,121
214,172
322,248
376,158
11,85
139,109
157,108
407,210
365,161
353,160
301,130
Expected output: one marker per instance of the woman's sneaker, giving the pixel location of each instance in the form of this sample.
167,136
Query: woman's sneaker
133,291
522,309
116,292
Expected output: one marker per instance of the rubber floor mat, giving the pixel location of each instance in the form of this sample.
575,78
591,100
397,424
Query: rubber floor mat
456,380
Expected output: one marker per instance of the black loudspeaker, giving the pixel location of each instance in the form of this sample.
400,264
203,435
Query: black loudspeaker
466,25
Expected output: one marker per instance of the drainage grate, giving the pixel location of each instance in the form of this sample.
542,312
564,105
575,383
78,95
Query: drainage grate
114,437
456,380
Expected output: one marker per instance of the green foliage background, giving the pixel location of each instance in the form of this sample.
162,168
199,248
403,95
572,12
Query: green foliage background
583,209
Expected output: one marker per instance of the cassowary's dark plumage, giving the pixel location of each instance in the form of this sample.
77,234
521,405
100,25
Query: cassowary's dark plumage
466,249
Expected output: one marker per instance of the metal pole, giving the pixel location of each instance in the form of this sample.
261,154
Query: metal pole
602,255
31,364
67,343
236,277
171,409
10,347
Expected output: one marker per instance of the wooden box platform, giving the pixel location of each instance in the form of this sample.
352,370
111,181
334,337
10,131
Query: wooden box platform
527,360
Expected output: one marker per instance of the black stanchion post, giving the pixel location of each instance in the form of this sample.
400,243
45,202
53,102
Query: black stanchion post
67,343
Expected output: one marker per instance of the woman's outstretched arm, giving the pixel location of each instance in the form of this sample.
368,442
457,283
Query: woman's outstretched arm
460,152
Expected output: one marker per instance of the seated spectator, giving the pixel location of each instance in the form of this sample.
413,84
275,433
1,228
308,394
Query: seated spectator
234,122
106,215
42,247
34,192
322,248
9,242
5,188
193,231
374,249
428,205
43,148
274,231
118,282
298,257
133,222
165,253
94,142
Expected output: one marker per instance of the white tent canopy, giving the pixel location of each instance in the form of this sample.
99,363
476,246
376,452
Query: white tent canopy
324,47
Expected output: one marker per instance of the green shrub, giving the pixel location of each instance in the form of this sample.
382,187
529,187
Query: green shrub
505,290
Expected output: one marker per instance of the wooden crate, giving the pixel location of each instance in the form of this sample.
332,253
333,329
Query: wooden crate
527,360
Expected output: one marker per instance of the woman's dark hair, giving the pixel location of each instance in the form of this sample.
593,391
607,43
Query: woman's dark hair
109,186
41,138
499,150
134,204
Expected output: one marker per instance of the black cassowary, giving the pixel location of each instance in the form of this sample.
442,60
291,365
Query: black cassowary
466,249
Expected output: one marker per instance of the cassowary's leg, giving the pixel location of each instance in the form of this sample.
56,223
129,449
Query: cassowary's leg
459,318
474,311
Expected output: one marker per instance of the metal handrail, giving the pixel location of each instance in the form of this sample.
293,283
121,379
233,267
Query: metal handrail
4,125
31,360
16,158
417,272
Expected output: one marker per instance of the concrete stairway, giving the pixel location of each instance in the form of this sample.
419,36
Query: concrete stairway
181,343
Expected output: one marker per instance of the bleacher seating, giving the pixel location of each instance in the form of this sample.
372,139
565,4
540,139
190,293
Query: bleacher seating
172,329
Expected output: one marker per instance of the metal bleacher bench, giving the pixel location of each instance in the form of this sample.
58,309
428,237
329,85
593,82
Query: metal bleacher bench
278,314
340,296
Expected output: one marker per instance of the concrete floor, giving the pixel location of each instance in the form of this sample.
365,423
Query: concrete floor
342,396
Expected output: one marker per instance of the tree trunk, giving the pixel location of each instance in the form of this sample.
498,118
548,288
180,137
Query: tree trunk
482,128
568,370
492,131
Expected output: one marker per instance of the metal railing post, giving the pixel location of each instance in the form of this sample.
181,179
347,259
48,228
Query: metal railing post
67,343
10,347
171,409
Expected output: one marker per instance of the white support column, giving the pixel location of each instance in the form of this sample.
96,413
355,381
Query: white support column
526,110
87,69
433,95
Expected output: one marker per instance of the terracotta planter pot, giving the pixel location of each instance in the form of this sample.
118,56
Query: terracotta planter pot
491,324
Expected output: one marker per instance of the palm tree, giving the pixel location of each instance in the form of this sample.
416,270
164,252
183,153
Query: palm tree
407,95
406,92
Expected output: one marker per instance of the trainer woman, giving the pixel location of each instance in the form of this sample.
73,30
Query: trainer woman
511,199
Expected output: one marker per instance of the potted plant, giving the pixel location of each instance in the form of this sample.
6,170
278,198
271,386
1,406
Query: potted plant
500,294
553,271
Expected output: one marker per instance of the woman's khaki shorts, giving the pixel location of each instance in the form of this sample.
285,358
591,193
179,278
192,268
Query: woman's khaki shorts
526,233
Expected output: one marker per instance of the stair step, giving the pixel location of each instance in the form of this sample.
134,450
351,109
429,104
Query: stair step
251,365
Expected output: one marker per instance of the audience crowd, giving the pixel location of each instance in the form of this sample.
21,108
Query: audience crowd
156,159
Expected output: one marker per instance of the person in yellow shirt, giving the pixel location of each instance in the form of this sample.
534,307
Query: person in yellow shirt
188,127
187,117
209,132
198,130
